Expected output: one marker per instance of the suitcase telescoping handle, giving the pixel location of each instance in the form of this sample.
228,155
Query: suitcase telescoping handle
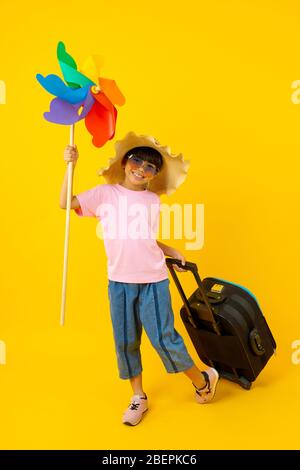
192,267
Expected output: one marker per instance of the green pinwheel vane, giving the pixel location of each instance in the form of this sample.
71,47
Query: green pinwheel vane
83,94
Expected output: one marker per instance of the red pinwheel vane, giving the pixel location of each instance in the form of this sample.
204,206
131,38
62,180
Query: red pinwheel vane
83,95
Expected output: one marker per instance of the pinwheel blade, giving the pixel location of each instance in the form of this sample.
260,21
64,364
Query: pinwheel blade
111,90
55,85
92,66
69,70
101,123
62,112
102,99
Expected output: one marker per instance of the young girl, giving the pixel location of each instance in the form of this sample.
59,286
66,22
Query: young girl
138,285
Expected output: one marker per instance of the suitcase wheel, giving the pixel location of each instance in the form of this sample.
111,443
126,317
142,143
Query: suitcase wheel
240,380
245,383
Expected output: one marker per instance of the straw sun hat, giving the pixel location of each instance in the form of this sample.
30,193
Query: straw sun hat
173,171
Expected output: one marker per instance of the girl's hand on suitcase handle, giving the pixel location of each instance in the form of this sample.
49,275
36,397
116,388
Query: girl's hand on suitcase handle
177,255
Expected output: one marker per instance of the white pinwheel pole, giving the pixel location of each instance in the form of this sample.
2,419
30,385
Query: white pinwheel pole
67,231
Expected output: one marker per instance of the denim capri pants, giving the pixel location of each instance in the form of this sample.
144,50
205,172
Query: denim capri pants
134,306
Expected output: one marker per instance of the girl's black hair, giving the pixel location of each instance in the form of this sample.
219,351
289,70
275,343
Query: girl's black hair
149,154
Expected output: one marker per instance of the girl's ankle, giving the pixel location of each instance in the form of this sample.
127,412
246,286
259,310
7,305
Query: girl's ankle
140,394
204,383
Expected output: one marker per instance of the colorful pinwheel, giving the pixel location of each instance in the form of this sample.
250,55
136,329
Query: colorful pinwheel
85,95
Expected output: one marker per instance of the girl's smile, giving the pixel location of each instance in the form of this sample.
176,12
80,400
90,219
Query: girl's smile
137,175
135,178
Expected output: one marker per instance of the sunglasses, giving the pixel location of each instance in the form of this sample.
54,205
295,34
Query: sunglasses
137,162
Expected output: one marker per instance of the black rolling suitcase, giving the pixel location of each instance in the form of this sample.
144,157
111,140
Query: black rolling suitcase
226,326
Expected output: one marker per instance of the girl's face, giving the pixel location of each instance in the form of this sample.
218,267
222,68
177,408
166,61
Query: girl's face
138,172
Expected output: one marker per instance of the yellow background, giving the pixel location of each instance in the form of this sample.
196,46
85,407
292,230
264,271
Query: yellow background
212,80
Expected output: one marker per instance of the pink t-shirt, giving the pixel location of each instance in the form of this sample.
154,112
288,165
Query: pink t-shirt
129,222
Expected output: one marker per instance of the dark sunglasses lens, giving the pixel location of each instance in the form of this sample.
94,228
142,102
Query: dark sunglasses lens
137,162
151,170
